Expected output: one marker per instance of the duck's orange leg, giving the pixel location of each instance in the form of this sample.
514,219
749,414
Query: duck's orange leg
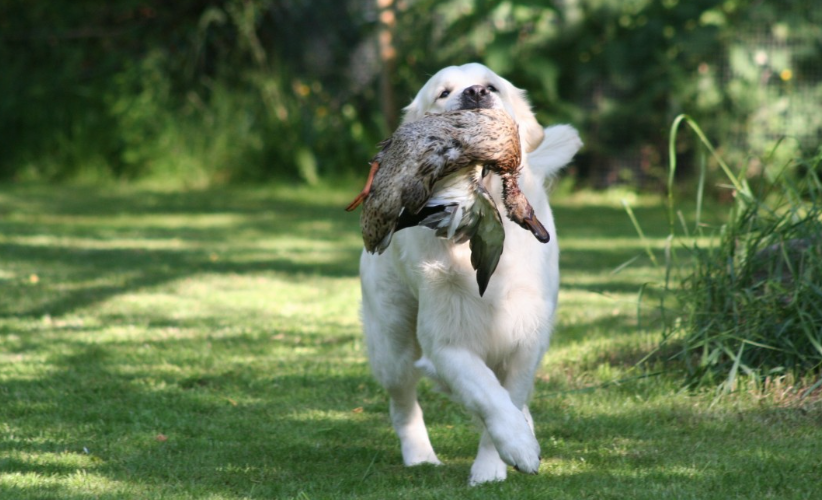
366,190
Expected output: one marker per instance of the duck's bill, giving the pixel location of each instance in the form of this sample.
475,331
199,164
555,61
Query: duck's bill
537,229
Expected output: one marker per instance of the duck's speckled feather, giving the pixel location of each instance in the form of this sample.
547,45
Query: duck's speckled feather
422,152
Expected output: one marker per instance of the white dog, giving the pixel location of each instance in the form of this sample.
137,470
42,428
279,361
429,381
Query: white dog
422,313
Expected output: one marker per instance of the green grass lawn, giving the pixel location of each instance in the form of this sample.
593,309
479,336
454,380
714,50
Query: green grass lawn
207,345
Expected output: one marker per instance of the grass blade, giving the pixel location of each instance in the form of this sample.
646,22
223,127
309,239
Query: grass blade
642,237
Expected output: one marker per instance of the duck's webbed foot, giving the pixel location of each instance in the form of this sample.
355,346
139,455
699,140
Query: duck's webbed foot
366,190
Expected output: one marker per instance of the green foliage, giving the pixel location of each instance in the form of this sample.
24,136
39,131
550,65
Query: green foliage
197,92
187,93
748,301
621,71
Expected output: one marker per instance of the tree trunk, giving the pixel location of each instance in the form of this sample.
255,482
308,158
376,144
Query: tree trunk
388,62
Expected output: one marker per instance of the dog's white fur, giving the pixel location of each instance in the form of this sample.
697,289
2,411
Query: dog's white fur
422,313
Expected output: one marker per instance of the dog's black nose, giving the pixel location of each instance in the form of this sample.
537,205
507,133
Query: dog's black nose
475,96
475,92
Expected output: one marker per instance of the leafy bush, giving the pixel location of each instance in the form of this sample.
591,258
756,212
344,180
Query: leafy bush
244,90
749,293
186,92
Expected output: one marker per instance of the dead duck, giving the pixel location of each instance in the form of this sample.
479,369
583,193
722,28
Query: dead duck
429,173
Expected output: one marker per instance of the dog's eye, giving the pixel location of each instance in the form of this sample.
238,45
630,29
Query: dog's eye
444,94
491,88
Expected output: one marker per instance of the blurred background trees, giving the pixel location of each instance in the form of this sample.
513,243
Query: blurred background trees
196,92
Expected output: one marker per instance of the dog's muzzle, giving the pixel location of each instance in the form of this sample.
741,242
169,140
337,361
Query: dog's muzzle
476,96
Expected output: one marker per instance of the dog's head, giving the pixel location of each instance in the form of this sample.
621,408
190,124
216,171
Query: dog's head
475,86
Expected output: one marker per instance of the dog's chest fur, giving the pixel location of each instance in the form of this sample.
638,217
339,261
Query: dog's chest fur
510,316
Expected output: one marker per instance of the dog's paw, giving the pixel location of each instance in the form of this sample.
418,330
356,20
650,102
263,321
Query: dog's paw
413,459
515,443
487,470
417,450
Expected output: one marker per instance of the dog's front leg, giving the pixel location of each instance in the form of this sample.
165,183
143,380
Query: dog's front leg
477,388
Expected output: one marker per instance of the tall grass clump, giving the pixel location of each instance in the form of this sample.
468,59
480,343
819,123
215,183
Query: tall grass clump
745,297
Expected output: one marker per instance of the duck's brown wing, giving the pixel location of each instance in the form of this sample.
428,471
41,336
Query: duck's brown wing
437,157
387,213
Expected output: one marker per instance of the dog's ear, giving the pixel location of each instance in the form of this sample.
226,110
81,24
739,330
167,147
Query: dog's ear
418,107
530,130
425,99
413,111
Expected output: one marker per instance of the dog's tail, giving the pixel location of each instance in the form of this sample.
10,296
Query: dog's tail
560,144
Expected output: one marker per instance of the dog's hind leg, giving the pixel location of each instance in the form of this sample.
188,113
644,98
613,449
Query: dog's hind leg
488,466
406,416
389,321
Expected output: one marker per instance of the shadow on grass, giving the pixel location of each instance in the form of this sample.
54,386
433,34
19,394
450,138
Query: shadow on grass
599,221
236,431
91,215
278,414
324,430
73,272
302,433
135,270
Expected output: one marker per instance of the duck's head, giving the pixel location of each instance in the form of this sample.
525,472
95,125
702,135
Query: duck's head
519,210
